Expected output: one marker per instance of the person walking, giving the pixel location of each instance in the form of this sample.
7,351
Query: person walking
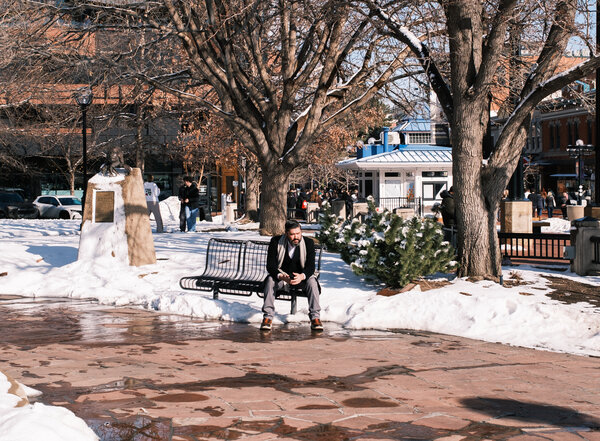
190,197
564,201
152,191
537,203
291,262
550,203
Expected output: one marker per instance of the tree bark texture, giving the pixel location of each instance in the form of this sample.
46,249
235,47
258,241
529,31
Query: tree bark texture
478,249
273,200
252,190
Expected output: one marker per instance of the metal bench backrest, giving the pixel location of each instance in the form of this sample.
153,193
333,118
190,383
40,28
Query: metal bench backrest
223,258
254,263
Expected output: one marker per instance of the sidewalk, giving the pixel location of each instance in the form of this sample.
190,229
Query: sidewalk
139,375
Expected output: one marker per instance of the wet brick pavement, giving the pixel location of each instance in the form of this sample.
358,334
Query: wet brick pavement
138,375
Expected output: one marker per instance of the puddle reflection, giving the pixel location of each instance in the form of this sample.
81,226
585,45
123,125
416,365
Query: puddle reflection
85,322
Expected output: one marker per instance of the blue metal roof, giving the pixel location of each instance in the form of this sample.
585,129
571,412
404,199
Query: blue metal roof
414,125
405,154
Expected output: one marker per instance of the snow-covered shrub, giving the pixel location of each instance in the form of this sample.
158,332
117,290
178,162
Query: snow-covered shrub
330,226
394,250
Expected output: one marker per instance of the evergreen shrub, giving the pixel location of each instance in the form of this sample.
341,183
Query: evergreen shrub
390,248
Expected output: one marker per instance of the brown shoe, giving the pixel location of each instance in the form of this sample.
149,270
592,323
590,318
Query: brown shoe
316,325
266,324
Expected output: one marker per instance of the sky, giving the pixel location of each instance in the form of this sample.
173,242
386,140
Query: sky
40,258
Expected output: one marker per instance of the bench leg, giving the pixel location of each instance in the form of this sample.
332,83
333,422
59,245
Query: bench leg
216,294
294,305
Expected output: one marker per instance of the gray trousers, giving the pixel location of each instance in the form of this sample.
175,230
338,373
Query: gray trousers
310,287
154,208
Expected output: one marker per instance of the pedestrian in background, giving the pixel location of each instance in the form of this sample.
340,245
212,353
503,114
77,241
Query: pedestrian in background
190,198
564,201
182,219
537,202
447,208
152,191
550,203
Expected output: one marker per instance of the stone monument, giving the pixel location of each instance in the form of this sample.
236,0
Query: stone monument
115,220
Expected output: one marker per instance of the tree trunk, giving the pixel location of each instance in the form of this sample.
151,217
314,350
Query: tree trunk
478,251
273,199
139,138
252,190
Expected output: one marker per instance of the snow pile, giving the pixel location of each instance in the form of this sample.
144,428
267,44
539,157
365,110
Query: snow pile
557,225
169,210
37,421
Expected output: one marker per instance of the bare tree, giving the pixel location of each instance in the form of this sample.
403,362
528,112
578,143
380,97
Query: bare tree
281,73
478,43
339,141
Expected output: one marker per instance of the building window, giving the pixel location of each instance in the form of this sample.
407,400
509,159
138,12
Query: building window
552,140
434,174
557,136
419,138
432,190
391,174
590,132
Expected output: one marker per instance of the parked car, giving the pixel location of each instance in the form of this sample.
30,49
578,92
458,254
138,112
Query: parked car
13,206
58,207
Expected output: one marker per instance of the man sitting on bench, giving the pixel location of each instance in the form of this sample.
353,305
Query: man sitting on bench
291,262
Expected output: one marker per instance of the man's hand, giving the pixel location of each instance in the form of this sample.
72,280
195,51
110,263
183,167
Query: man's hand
297,279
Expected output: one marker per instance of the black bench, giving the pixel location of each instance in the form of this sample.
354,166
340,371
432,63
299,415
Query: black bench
237,267
222,265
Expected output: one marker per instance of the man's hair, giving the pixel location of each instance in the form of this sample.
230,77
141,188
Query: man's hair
187,179
291,224
150,178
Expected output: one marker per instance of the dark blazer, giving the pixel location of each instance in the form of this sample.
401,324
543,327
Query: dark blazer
273,259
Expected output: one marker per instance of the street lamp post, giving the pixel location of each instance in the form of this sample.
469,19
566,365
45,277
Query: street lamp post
245,186
84,98
578,151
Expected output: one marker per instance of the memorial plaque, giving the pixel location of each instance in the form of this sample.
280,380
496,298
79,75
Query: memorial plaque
104,207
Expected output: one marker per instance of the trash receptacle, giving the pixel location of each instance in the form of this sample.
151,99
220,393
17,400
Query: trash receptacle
231,211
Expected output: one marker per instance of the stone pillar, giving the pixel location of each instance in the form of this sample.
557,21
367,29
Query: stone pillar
405,213
516,217
592,211
581,235
339,208
115,220
575,212
312,212
360,209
